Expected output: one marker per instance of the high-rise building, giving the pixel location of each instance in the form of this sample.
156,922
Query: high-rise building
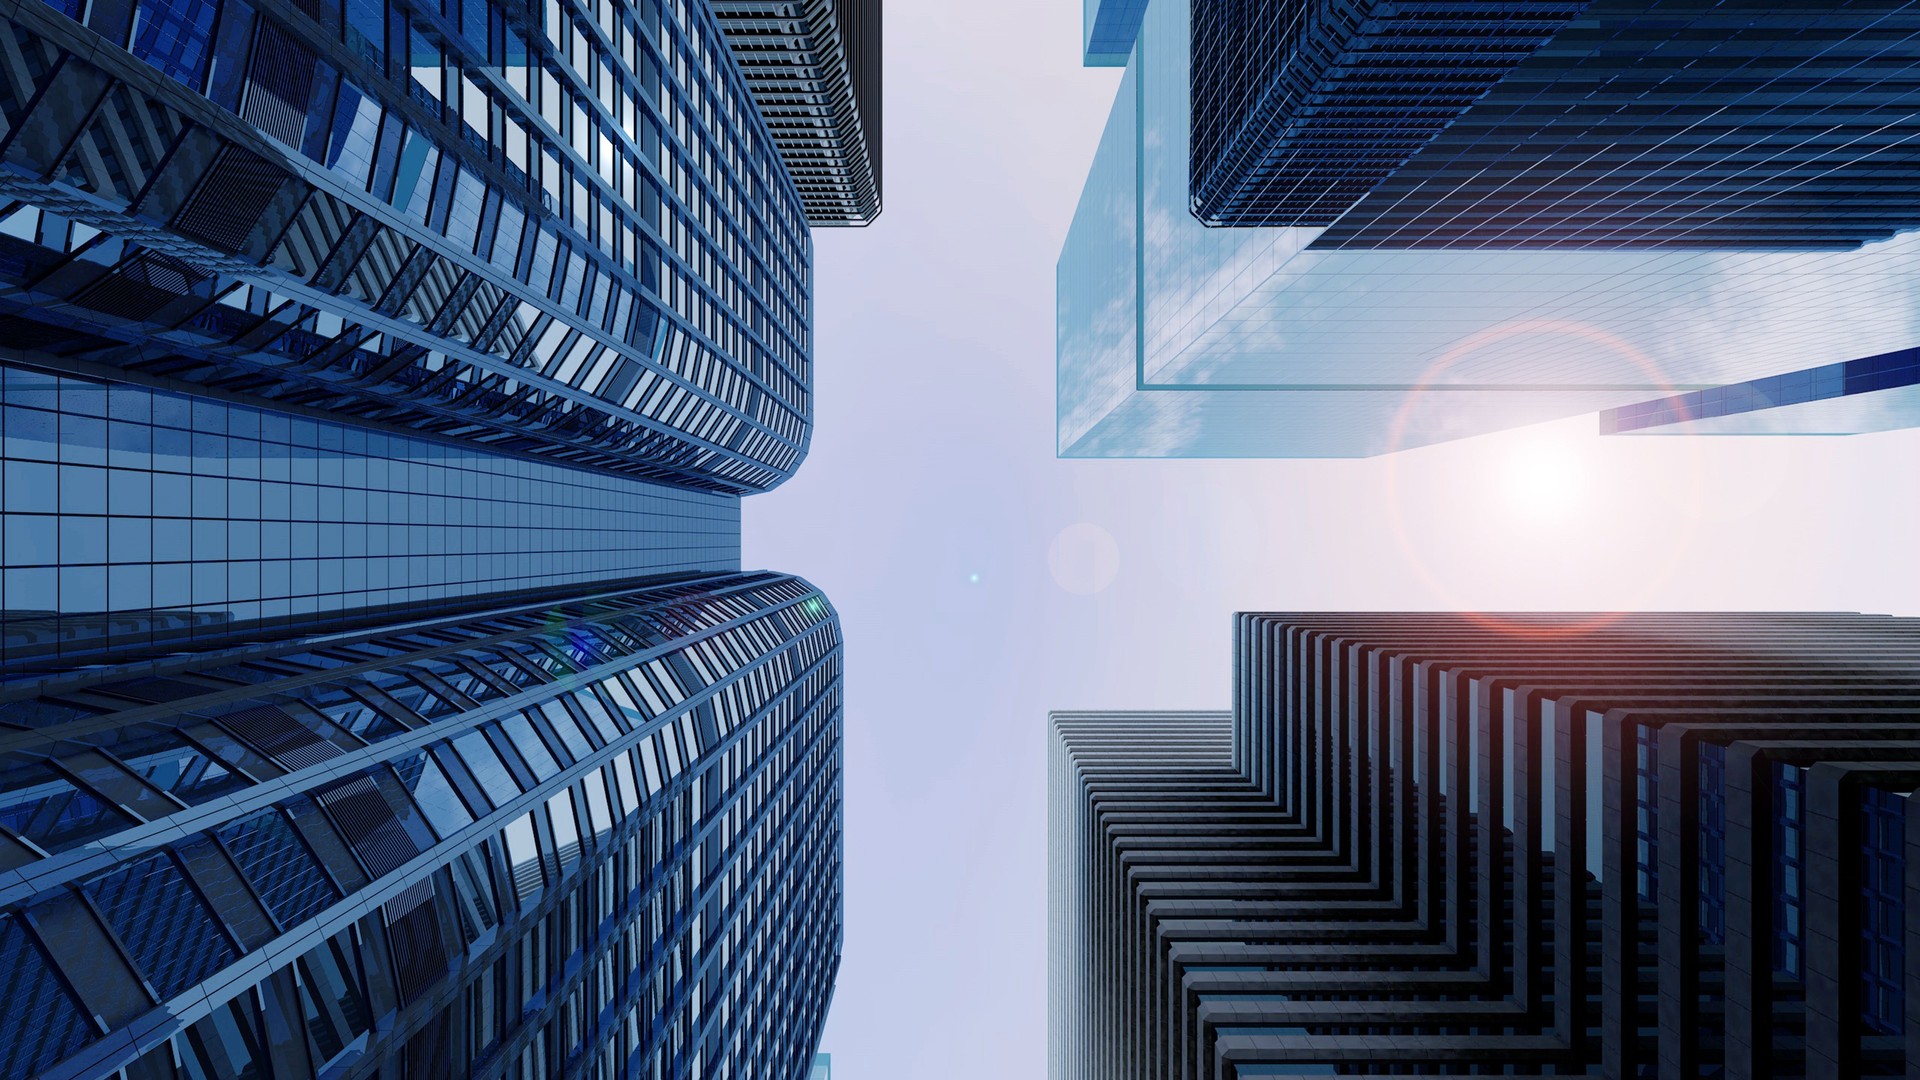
1666,846
1179,340
592,834
144,518
381,691
814,67
1558,123
559,229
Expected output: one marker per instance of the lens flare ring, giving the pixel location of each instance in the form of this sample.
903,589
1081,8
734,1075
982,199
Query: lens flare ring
1660,385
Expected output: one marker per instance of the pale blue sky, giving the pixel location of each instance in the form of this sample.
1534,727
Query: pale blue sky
933,462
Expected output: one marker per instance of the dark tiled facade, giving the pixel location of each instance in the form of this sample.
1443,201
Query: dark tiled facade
593,835
1656,845
1516,124
814,67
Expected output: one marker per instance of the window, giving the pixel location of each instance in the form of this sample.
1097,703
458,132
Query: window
161,919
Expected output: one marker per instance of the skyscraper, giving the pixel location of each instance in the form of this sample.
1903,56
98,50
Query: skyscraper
554,837
1179,340
1558,123
378,384
144,518
1645,845
561,230
815,68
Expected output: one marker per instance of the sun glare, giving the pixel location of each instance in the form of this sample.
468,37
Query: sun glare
1544,482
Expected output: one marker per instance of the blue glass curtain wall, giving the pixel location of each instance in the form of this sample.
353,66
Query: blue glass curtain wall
561,228
509,844
191,516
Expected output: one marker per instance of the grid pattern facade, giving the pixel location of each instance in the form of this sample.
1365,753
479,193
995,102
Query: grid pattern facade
814,68
1110,28
1179,340
1670,123
137,518
1436,844
1301,108
595,836
557,228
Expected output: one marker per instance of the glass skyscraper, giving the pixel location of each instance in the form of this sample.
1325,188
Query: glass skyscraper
814,66
381,689
1180,340
556,229
1558,123
1650,845
592,834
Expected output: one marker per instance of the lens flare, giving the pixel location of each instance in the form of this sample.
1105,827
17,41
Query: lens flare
1544,483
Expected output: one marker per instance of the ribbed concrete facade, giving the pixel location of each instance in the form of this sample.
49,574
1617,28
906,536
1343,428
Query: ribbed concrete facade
1656,845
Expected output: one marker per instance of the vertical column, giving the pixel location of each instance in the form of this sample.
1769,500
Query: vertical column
1677,791
1750,929
1832,924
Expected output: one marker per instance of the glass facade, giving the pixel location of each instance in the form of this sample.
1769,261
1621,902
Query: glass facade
814,67
1557,123
380,691
140,517
1646,814
1109,29
1874,393
1179,340
1301,108
559,228
1713,845
1883,893
1789,874
557,838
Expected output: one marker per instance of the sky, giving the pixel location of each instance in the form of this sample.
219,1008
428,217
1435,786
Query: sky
981,582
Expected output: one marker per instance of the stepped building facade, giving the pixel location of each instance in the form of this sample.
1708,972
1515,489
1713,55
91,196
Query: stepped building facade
1653,845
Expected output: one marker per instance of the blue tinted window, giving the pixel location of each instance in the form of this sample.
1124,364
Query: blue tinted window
44,1025
532,750
277,864
172,36
442,806
163,923
52,812
1713,844
1647,812
1789,857
486,767
183,771
1883,888
211,514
